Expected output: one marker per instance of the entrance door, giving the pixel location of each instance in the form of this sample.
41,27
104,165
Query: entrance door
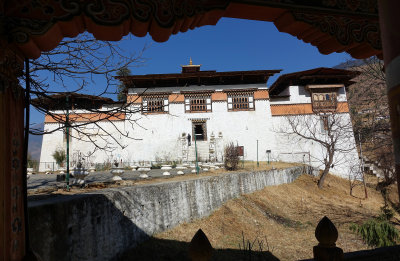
199,129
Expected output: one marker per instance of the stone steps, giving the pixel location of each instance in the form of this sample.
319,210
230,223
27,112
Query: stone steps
202,151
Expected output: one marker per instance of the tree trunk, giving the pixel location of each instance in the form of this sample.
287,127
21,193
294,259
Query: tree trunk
323,176
326,170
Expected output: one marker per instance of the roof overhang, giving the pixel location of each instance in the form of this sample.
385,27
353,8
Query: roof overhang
317,77
63,101
198,78
324,86
33,27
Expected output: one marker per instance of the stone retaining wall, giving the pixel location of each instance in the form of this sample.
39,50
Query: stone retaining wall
102,225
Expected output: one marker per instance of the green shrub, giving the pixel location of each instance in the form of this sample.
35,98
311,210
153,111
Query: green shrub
59,156
174,164
377,232
386,213
155,166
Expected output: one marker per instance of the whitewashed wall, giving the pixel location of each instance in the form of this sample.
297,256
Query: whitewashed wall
156,136
298,94
291,148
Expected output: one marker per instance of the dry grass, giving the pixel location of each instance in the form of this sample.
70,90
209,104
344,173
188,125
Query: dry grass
285,215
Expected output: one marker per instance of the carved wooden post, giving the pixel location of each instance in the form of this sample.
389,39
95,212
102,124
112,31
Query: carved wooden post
200,248
12,199
327,234
389,22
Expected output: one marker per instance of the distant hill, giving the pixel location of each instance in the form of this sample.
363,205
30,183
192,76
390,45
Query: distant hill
35,143
349,64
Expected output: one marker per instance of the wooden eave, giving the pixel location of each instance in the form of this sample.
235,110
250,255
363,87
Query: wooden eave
75,101
198,78
322,76
324,86
34,27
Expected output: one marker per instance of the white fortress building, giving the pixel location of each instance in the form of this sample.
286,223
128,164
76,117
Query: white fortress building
164,113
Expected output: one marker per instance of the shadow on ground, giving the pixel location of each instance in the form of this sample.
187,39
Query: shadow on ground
171,250
98,226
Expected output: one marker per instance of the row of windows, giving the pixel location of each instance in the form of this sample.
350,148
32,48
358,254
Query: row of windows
197,104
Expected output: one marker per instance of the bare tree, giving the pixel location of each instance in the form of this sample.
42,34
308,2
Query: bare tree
370,114
331,131
76,65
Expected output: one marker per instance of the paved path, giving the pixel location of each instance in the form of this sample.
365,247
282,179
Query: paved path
43,181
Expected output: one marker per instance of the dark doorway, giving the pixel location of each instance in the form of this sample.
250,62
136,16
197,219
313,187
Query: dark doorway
199,129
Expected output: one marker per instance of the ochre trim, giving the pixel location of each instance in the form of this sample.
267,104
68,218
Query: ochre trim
291,109
84,117
261,94
300,109
219,96
134,99
176,98
342,107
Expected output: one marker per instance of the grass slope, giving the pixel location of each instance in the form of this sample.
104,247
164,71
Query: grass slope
283,217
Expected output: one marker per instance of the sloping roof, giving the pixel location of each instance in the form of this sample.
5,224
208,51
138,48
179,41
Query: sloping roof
207,78
196,88
319,75
75,101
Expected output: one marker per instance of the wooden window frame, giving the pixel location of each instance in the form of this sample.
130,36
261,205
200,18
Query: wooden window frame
241,102
163,107
198,104
323,101
204,126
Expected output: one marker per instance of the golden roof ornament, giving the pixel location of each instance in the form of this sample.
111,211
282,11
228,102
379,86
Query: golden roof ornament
190,68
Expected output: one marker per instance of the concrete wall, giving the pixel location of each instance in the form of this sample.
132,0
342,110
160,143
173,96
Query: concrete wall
103,224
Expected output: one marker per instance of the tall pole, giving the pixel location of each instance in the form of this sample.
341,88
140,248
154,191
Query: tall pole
195,148
258,163
67,133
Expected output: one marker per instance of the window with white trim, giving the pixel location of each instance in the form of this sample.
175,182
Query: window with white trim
155,105
198,104
240,102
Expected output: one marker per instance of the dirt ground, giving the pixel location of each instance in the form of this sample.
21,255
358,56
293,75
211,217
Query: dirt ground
279,220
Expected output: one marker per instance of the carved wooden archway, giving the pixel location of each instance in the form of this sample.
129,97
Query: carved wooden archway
29,27
331,25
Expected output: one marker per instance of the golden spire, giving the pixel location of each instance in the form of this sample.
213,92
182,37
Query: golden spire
190,67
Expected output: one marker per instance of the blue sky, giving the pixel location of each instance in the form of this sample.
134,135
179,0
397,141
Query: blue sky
231,45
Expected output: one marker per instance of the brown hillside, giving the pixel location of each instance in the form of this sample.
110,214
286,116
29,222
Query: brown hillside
285,216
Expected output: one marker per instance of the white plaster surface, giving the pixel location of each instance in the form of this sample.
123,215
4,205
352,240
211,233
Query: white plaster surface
158,136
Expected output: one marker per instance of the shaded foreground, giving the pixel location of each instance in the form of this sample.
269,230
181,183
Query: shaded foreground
283,218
